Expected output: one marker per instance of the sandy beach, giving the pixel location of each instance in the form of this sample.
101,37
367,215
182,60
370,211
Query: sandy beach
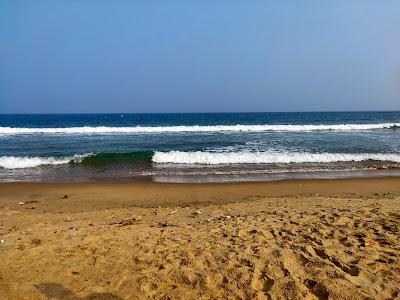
301,239
195,150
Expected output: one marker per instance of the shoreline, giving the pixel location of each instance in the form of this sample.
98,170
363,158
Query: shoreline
246,173
81,196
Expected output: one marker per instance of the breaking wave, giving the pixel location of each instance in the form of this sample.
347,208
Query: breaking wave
195,128
215,158
193,158
18,162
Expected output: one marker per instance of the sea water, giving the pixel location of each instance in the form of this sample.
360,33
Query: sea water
199,147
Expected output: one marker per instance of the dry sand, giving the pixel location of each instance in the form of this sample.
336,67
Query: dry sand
305,239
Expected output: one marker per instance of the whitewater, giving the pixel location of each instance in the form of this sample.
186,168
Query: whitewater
215,158
15,162
195,128
210,158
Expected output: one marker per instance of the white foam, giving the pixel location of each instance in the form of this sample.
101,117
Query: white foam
216,158
15,162
195,128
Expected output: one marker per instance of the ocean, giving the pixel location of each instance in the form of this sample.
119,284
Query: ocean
198,147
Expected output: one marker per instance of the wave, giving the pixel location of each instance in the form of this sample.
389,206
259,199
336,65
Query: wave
21,162
115,158
87,159
216,158
194,128
192,158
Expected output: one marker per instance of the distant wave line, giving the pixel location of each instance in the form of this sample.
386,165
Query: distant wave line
195,128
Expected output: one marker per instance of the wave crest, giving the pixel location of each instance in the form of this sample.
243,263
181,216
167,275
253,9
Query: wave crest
193,158
215,158
15,162
194,128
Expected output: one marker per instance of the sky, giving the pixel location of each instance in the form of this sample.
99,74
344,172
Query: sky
101,56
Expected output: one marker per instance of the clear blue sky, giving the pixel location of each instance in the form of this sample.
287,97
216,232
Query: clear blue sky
61,56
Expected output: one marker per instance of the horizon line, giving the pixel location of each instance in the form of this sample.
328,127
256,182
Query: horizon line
220,112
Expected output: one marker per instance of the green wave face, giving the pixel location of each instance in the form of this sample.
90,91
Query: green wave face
141,157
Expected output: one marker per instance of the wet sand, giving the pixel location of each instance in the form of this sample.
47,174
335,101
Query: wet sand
302,239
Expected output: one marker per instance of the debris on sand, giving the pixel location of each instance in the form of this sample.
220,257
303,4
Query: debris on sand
160,224
36,241
174,211
127,222
197,213
68,219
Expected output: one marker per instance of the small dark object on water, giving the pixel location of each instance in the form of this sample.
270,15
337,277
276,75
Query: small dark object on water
65,196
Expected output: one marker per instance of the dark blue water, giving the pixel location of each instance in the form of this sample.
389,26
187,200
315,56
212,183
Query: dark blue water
199,147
